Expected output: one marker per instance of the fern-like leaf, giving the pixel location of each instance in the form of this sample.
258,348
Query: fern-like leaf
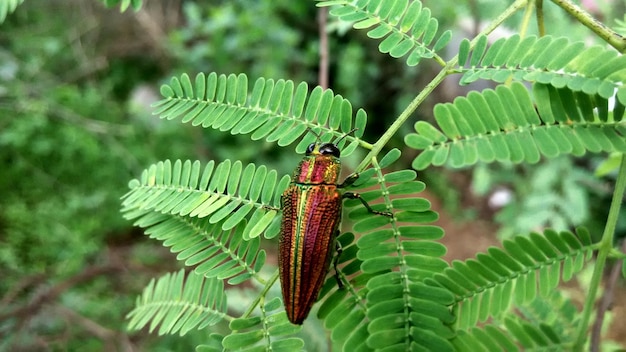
213,252
407,26
336,304
507,124
276,111
7,7
212,344
546,323
271,331
527,267
179,305
386,301
515,332
549,60
227,193
555,310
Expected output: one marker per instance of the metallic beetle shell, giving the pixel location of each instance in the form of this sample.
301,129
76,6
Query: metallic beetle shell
311,215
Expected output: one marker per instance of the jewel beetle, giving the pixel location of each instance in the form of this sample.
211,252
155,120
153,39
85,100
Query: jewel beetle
311,207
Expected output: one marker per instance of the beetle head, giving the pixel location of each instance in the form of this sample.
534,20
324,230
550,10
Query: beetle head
323,149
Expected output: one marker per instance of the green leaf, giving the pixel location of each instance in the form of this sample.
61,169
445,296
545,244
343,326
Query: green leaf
240,340
196,214
389,158
464,49
548,60
483,287
172,301
277,111
406,27
124,4
508,124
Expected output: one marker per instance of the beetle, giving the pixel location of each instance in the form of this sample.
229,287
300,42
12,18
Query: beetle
311,207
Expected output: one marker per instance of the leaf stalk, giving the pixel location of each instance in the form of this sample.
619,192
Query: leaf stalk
261,294
606,247
610,36
430,87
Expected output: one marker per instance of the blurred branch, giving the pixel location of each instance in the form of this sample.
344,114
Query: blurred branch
152,29
77,37
89,325
51,294
91,125
22,285
322,15
110,337
605,303
156,20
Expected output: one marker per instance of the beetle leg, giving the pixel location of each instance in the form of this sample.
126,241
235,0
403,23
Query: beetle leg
335,261
349,181
352,195
269,207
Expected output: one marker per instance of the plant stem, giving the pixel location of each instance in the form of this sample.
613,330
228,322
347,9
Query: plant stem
610,36
605,303
530,7
606,246
382,141
445,71
261,295
322,78
541,27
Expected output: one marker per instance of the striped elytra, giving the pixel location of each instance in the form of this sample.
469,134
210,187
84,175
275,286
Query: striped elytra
311,208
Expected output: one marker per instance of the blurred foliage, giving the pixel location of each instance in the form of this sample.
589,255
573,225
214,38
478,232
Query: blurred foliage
7,7
68,143
558,194
124,4
553,192
212,40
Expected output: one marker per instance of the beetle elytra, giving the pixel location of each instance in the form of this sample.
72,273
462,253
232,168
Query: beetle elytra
311,207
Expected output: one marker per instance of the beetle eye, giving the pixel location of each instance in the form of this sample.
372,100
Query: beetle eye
310,149
329,148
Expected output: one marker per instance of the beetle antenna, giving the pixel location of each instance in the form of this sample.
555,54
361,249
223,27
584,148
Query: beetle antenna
317,135
345,135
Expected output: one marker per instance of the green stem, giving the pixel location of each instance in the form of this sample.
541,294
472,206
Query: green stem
382,141
541,27
610,36
606,246
445,71
530,7
261,295
617,254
